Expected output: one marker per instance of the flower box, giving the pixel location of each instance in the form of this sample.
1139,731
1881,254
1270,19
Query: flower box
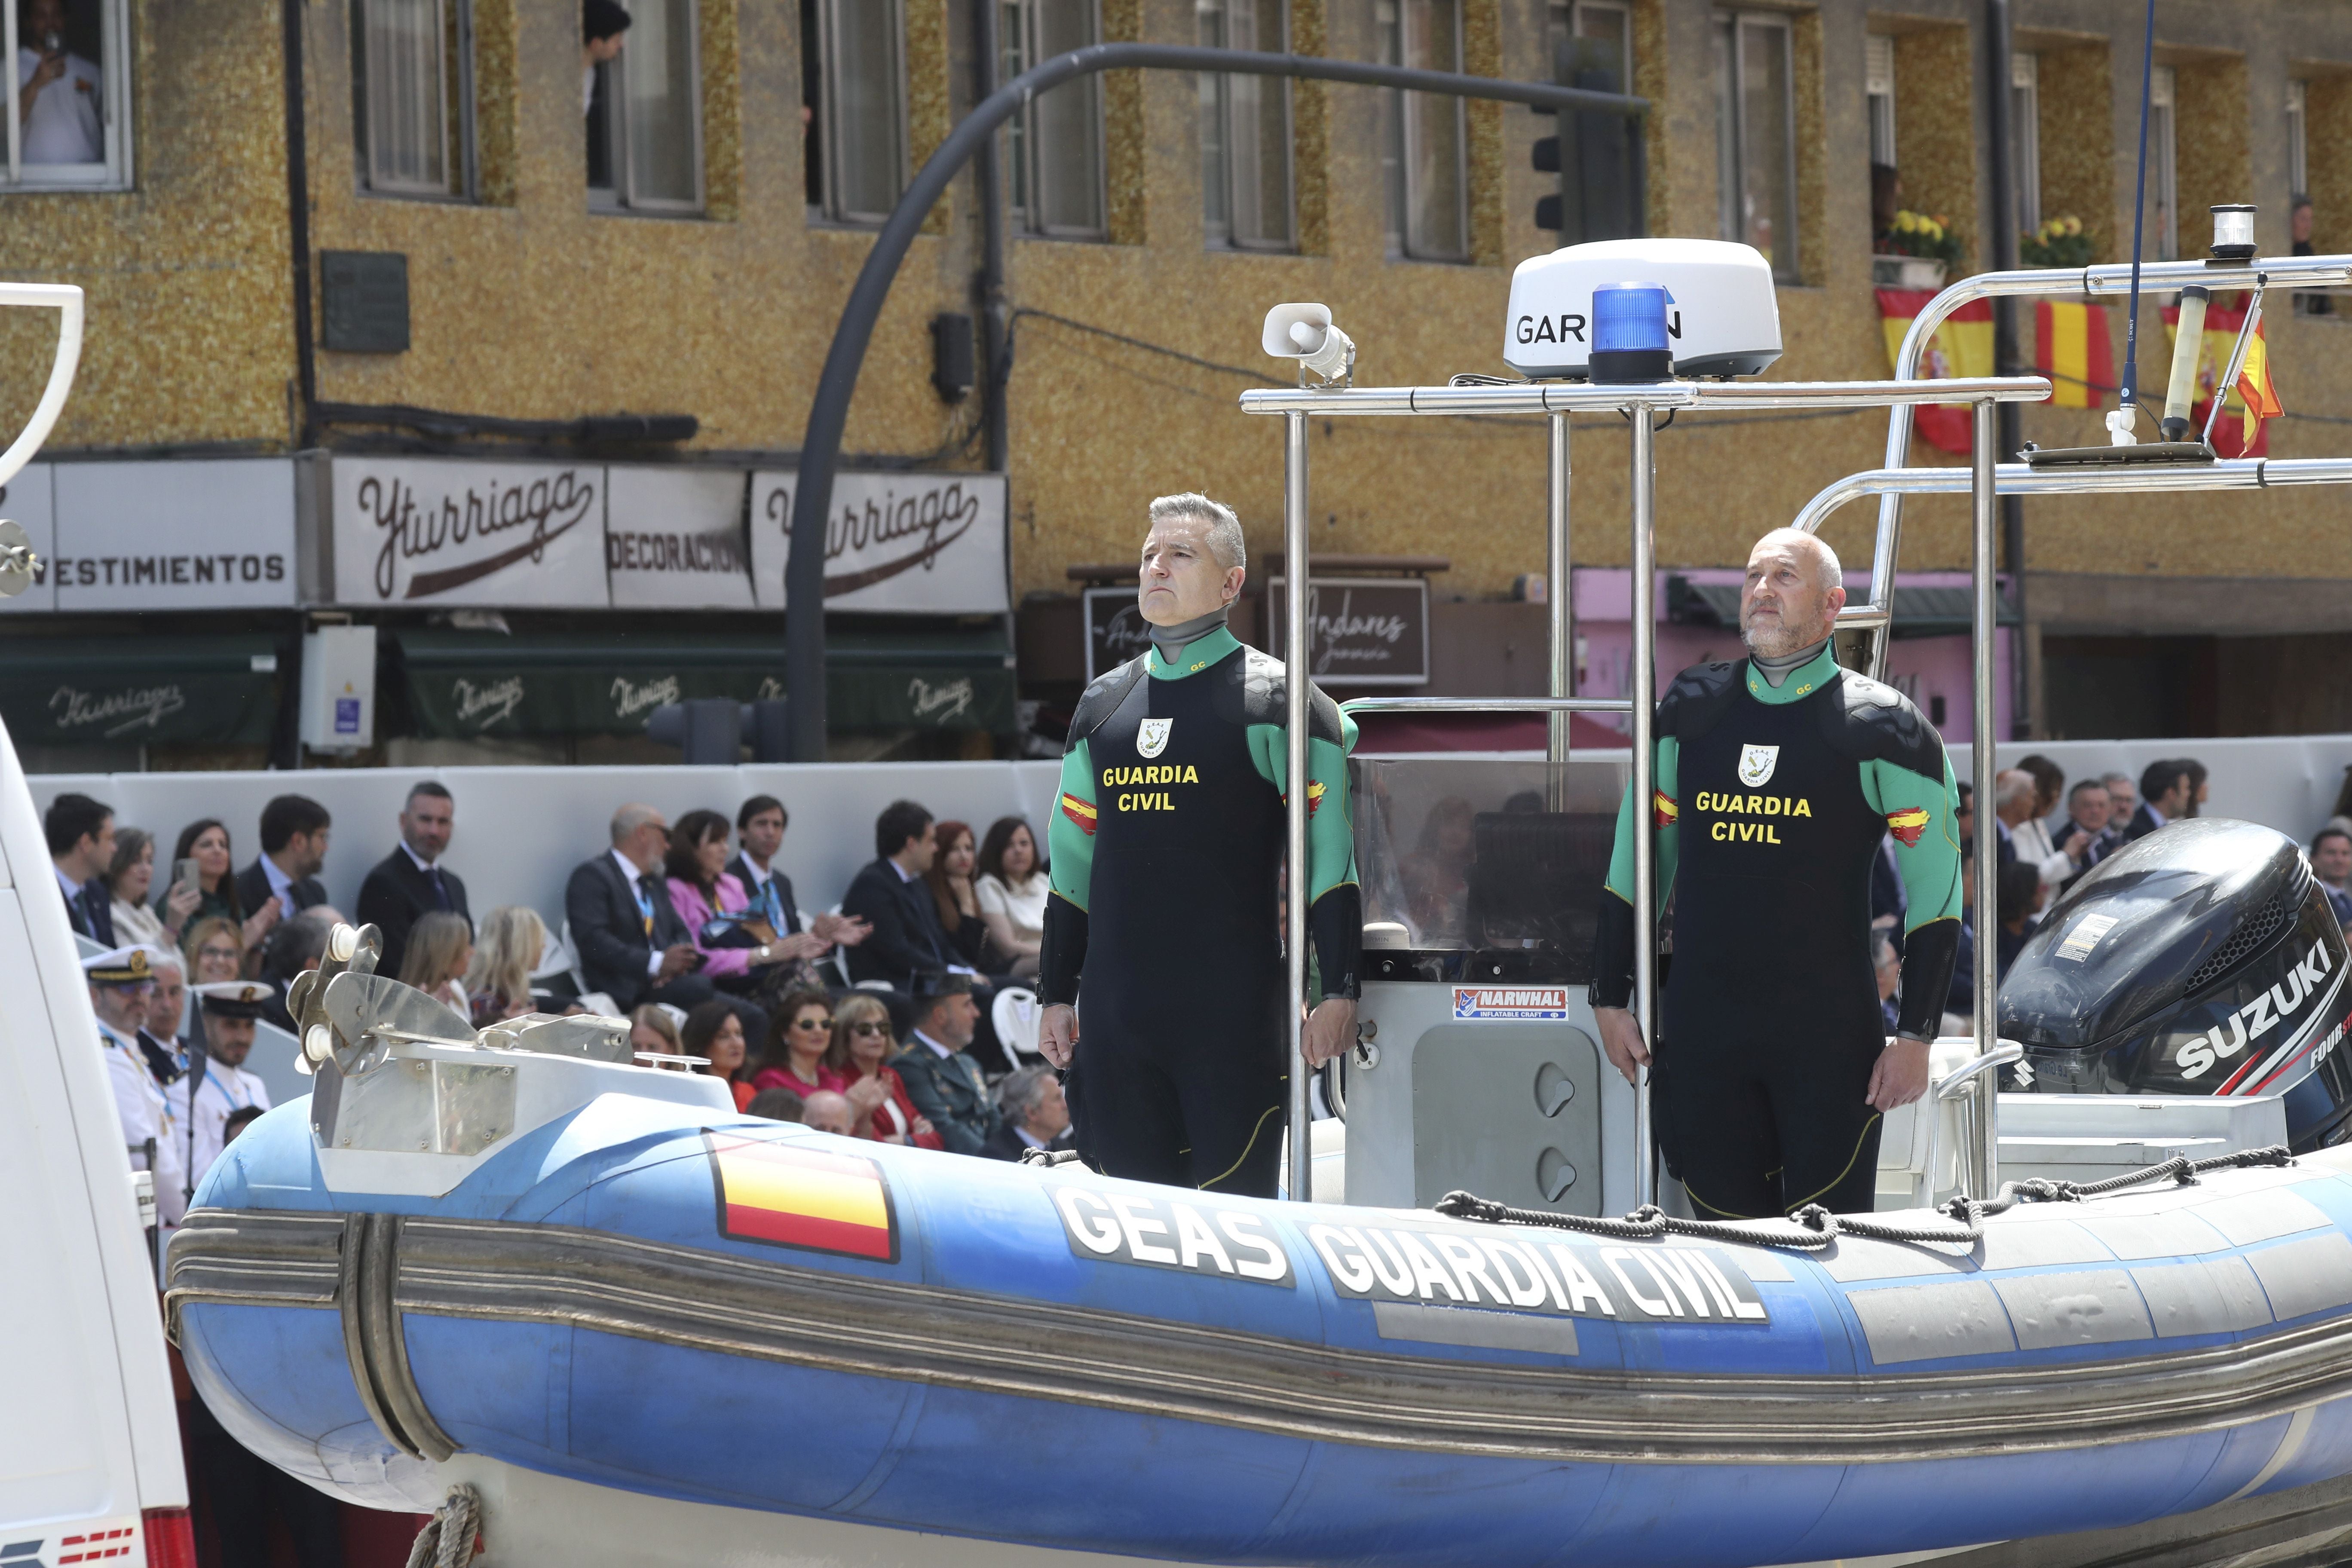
1905,272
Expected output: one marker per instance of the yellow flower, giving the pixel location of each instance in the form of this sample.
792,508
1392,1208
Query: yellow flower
1907,222
2073,225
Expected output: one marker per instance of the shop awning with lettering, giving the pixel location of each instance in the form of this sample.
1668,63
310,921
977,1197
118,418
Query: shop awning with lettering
464,684
144,690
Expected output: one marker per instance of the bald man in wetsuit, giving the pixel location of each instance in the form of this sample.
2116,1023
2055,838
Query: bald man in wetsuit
1779,776
1168,839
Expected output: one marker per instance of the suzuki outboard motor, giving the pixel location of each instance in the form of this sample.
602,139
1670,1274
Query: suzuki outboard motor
2203,959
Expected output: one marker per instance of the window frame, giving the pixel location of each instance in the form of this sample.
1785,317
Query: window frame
116,170
2025,138
1218,103
828,207
2163,159
1026,199
1398,152
1730,214
460,155
2298,139
1878,93
621,196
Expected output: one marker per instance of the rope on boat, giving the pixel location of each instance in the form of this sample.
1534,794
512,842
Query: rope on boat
1813,1227
449,1539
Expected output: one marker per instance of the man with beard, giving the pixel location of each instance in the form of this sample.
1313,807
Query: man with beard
1778,776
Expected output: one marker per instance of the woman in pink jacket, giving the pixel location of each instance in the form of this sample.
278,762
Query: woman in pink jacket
700,893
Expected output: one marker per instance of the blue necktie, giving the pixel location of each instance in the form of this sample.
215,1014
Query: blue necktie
440,889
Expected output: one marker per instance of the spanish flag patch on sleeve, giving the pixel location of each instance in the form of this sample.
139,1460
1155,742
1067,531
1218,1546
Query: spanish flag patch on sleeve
790,1196
1662,809
1908,825
1081,812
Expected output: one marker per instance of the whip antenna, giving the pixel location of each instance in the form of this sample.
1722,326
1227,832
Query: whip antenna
2119,423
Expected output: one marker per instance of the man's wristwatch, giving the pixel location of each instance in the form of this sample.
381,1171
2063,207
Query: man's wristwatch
760,953
1914,1040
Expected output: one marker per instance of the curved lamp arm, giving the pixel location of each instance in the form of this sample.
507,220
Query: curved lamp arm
65,300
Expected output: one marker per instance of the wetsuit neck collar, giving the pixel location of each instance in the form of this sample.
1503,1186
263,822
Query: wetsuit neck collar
1194,656
1799,683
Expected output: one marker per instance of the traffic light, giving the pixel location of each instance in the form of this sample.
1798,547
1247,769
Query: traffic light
1596,154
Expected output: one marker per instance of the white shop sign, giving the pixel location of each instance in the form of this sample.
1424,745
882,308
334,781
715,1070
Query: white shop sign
193,535
674,539
420,530
28,501
906,543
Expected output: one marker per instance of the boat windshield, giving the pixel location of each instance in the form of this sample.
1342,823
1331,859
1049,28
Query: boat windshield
1483,868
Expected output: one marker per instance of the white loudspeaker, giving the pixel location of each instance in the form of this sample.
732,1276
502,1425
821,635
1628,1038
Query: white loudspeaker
1305,333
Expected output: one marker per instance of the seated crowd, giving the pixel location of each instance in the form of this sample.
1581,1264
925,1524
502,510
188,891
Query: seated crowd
871,1020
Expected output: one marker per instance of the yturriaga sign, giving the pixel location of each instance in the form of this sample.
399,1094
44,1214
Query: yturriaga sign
1361,631
420,530
919,543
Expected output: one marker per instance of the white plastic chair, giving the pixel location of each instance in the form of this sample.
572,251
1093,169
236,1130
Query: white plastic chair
1018,1018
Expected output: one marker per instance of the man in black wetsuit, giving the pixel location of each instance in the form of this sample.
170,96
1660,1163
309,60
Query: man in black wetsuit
1167,840
1779,777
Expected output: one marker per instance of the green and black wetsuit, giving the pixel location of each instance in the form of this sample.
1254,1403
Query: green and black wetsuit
1770,804
1167,842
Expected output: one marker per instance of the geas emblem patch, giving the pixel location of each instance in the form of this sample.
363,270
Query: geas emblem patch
1152,738
1756,764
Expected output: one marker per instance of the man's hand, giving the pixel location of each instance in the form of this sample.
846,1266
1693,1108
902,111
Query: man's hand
1901,1075
1331,1030
1620,1042
52,68
1057,1034
847,931
676,961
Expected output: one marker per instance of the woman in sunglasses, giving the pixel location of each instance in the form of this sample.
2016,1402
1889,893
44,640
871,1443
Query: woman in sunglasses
858,1065
798,1034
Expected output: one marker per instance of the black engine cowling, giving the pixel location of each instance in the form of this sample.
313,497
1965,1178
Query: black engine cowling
2203,959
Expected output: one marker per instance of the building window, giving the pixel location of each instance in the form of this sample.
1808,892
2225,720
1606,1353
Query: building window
1054,145
70,97
1245,198
1427,156
2025,139
645,115
1878,79
2298,151
1756,136
1598,36
2163,168
411,80
856,96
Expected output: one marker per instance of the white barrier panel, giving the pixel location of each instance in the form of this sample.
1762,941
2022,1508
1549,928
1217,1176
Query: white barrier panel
520,831
2286,781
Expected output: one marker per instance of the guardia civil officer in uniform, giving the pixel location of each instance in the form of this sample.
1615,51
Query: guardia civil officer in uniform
1164,924
1778,778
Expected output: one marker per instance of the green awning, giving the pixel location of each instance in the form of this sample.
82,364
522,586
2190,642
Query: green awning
460,685
65,691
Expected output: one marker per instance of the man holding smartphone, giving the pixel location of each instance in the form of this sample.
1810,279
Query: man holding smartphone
58,93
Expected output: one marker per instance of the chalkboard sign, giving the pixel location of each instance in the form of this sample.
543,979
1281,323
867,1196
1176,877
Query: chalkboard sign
1363,631
1115,629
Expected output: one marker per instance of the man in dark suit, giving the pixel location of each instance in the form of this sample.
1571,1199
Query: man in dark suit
80,834
759,827
410,881
633,945
1035,1116
2169,789
293,847
942,1081
891,896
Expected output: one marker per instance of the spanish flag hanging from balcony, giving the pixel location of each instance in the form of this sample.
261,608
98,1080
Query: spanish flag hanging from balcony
2253,399
2073,348
1962,347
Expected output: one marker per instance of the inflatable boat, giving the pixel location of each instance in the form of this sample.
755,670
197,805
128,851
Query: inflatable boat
519,1247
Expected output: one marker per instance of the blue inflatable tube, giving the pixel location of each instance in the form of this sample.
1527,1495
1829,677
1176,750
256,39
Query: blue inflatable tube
668,1299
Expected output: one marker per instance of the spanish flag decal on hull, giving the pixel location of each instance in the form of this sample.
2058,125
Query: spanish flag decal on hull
792,1195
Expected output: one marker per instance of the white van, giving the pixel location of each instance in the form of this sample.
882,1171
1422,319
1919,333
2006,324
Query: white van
89,1448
